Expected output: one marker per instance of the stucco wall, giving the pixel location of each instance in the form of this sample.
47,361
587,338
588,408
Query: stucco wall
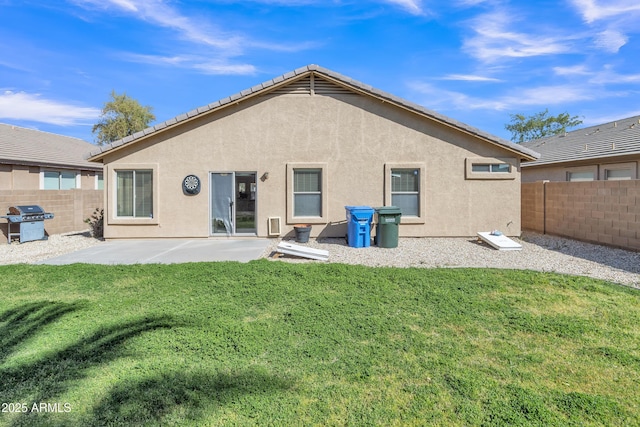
355,136
605,212
598,167
23,177
70,208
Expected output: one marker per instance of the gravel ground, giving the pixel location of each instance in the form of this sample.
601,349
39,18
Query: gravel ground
57,244
539,252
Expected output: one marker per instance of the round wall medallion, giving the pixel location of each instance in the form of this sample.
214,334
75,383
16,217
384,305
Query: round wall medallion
191,184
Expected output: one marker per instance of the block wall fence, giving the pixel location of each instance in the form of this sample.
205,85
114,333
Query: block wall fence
69,207
603,212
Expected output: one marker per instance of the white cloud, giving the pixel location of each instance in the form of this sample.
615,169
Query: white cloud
539,96
576,70
551,95
594,10
210,41
615,17
494,39
203,64
31,107
160,13
411,6
610,40
469,78
610,77
597,78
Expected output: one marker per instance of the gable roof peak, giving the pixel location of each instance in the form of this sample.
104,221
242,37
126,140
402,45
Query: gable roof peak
356,86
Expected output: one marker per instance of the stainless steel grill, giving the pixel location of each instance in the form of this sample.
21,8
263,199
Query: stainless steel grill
30,220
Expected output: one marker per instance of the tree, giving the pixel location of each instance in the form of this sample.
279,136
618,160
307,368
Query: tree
121,116
539,125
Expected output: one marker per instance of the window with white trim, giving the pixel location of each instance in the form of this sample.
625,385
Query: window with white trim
491,167
134,193
307,192
579,176
405,191
59,180
404,187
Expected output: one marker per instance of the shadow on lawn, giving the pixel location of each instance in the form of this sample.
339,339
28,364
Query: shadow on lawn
177,398
166,398
45,379
23,322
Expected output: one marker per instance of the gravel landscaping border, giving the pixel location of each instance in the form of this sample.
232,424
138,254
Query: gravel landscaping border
539,253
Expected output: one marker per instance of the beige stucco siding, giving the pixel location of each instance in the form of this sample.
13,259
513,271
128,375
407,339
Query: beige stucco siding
354,136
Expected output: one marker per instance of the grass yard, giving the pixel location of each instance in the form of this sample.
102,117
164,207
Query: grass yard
272,343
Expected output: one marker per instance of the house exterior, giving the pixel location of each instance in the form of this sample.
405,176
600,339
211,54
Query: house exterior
296,150
50,170
36,160
606,152
585,185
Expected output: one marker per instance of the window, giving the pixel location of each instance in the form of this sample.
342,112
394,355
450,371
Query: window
405,191
56,180
619,171
484,168
307,192
491,168
617,174
99,181
134,193
404,187
580,176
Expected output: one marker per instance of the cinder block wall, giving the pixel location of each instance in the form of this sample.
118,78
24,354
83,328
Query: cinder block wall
604,212
532,206
70,208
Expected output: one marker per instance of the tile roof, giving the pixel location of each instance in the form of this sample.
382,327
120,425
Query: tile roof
618,138
24,146
525,152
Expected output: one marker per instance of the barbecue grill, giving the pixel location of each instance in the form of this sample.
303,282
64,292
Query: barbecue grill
30,220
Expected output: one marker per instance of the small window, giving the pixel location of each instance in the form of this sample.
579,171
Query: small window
580,176
134,193
491,168
99,181
55,180
405,191
307,192
617,174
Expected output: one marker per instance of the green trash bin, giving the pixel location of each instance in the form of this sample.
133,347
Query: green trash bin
388,225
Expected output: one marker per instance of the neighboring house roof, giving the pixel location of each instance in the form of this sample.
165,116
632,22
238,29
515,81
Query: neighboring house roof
344,81
22,146
619,138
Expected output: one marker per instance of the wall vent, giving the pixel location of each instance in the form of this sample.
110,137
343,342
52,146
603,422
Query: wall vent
312,85
274,226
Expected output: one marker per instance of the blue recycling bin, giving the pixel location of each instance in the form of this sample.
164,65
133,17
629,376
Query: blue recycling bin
359,226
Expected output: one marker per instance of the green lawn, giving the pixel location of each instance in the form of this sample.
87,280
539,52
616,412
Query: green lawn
272,343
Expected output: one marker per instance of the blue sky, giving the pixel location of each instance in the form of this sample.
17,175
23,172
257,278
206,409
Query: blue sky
476,61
